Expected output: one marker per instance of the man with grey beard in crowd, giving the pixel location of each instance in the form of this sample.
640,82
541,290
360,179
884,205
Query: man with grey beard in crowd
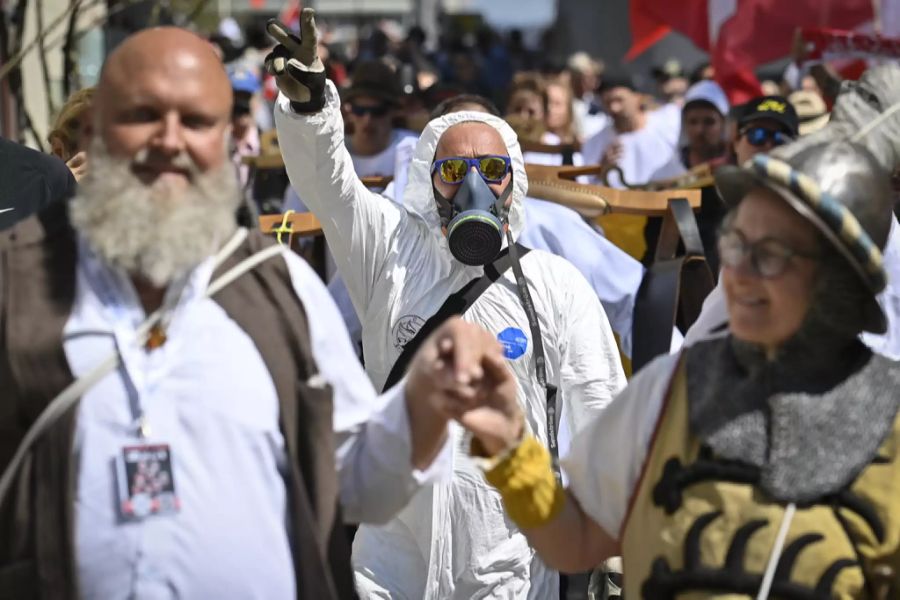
222,422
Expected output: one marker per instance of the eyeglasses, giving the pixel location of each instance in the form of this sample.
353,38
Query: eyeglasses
453,170
378,110
759,136
769,257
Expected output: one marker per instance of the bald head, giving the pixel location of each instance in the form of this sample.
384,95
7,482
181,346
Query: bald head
470,138
164,48
164,94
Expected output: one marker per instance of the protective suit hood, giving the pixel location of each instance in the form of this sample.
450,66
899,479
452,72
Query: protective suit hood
418,197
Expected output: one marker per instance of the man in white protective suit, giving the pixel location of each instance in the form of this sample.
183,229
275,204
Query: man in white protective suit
401,262
613,274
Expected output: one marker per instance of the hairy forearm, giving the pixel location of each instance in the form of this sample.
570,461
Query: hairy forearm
572,542
428,433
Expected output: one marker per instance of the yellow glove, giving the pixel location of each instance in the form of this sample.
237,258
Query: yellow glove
524,477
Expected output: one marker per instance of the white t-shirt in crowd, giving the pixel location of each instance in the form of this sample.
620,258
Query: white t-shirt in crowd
648,154
667,120
587,124
377,165
385,162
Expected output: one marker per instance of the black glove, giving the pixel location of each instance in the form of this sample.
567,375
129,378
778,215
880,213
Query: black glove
298,71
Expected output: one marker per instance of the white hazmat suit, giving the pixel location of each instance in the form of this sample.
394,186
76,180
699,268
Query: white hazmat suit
452,540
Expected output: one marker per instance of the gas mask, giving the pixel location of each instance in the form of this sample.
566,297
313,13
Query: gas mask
474,219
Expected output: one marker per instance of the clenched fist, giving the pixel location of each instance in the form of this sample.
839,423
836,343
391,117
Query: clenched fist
460,373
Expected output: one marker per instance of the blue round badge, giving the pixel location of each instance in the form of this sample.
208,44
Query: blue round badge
514,342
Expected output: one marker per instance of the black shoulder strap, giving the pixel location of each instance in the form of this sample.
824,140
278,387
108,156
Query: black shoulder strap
540,361
673,288
456,304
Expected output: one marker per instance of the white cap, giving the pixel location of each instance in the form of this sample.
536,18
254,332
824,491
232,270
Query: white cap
230,29
707,91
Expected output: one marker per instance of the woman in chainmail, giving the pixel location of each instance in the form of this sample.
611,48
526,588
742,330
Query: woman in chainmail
765,463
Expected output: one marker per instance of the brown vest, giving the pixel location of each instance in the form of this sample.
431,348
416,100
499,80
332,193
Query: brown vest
37,287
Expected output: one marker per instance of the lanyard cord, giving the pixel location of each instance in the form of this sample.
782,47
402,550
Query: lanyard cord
540,362
69,396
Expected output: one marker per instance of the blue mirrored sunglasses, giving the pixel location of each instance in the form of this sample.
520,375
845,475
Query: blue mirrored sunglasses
759,136
452,170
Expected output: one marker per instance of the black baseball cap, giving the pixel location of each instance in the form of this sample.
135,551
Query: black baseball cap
615,80
377,79
772,108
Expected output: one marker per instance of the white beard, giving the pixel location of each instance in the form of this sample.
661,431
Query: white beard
157,232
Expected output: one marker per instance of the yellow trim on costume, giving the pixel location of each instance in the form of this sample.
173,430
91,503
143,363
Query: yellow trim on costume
809,188
850,228
525,479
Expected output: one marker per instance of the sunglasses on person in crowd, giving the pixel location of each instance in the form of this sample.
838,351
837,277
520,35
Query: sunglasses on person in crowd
379,110
453,170
759,136
769,257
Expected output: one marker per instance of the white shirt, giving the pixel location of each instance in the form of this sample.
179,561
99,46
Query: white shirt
587,124
385,162
207,393
667,121
606,457
647,154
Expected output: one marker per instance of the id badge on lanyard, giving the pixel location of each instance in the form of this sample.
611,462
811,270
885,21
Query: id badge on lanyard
145,479
146,482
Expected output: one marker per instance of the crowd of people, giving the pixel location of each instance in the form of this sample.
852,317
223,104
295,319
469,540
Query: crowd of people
440,409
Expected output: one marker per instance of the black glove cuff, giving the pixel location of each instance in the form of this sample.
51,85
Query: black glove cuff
315,83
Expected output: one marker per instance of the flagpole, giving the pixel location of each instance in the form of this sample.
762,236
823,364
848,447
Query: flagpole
876,17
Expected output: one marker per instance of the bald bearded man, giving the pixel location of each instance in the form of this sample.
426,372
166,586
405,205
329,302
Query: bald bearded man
205,460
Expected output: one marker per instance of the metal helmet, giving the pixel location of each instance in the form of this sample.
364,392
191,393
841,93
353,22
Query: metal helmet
843,190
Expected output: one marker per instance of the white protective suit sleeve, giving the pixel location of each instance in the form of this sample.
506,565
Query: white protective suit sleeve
358,224
607,455
373,449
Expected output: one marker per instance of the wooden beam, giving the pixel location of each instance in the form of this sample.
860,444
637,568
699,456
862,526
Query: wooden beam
299,224
557,184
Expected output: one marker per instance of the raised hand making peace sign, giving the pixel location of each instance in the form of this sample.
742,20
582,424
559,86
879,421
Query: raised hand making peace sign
294,62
